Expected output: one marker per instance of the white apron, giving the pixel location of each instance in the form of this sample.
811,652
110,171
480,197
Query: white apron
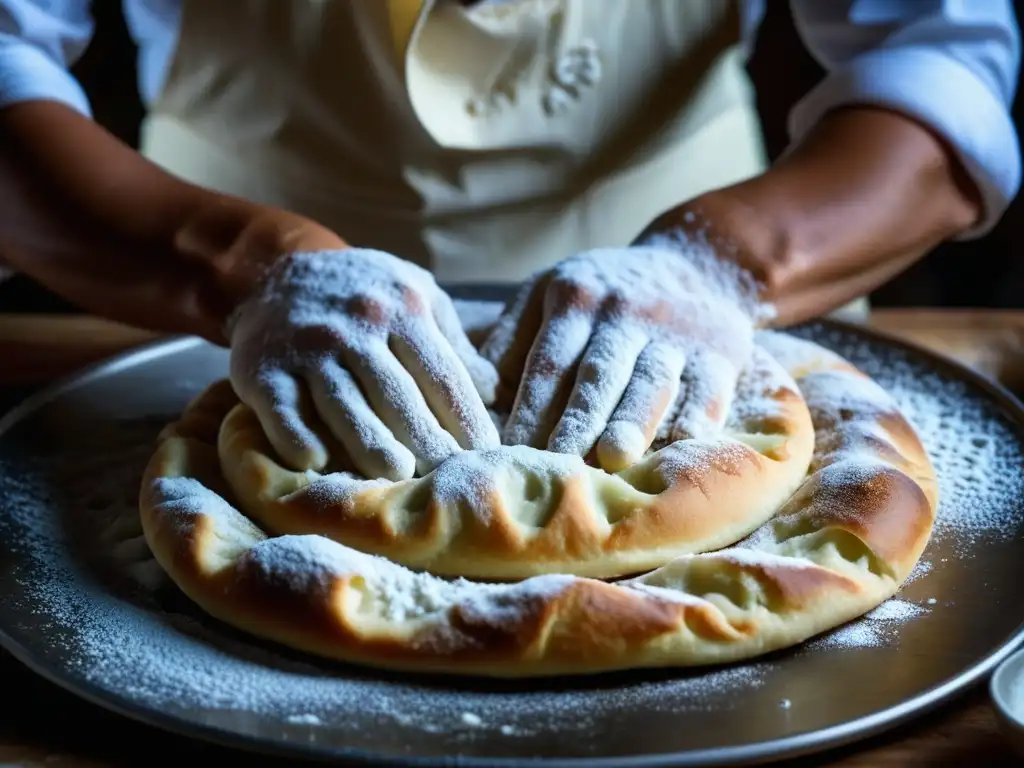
482,143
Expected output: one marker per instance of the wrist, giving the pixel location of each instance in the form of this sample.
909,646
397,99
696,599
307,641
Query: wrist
865,195
738,232
233,243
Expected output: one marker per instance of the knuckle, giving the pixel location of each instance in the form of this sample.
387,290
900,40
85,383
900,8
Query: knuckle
565,293
616,304
591,368
367,309
318,337
714,411
411,300
659,312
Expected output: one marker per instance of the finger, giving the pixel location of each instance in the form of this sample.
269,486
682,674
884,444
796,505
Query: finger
547,378
445,385
481,371
508,345
396,399
277,400
602,378
369,443
710,383
650,395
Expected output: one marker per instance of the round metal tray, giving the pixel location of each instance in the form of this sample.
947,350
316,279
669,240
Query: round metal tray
63,450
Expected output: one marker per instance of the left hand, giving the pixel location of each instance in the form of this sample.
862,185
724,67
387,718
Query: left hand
379,349
618,347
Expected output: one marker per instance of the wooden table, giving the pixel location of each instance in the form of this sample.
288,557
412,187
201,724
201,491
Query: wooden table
45,726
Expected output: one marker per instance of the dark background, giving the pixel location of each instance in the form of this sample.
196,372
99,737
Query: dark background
988,272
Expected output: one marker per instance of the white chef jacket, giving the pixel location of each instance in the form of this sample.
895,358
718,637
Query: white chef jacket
951,64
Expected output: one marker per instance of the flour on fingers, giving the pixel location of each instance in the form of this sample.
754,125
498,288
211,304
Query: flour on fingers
277,398
602,377
316,308
548,378
648,400
370,444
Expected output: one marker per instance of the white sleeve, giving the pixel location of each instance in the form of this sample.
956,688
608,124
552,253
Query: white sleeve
39,41
951,64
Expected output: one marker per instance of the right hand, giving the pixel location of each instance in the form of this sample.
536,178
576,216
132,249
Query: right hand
381,350
614,349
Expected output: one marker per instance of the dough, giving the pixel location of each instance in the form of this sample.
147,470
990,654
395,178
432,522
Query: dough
518,511
840,545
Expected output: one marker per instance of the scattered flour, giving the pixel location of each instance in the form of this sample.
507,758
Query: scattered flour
151,645
895,610
86,580
876,628
976,454
922,568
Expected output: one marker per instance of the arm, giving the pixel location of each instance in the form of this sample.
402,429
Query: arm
85,215
94,221
908,142
110,231
91,219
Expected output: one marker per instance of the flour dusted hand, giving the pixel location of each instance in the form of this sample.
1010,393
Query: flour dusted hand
616,348
372,346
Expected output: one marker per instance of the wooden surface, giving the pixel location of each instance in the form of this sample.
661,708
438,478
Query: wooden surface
36,348
48,727
989,341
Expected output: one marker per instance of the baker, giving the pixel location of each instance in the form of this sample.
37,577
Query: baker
308,168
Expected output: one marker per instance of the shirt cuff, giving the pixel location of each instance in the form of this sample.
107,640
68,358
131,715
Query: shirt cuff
28,74
942,93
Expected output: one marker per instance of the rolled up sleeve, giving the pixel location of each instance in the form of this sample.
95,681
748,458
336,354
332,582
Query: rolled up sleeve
38,43
950,64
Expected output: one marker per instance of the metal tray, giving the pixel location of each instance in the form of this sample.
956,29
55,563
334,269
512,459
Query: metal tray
66,453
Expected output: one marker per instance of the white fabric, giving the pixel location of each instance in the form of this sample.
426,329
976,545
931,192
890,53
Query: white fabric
950,63
493,178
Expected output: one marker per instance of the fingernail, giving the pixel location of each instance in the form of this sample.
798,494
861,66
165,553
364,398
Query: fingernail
621,446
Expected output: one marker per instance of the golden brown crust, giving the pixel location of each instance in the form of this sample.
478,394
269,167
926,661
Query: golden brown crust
518,511
840,546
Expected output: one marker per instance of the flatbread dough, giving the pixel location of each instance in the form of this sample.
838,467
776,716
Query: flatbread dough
518,511
839,546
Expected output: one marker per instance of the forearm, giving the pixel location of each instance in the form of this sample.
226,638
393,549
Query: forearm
863,197
87,216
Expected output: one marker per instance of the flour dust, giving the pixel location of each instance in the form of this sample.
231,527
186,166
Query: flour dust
87,582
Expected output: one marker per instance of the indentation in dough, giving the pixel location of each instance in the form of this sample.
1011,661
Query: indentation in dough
707,578
806,535
541,495
645,478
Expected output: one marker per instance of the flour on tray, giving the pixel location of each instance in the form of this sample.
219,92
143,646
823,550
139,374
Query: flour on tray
877,627
129,630
977,457
147,642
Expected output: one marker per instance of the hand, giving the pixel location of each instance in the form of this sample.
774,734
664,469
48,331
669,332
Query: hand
380,348
619,347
